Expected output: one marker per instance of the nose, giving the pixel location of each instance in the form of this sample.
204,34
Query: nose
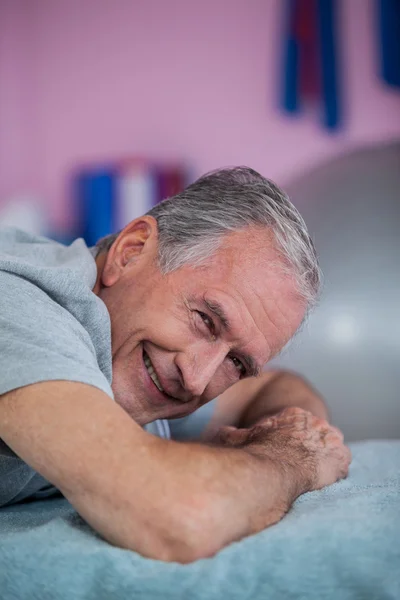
198,367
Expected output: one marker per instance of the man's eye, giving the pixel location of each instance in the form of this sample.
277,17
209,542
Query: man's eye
209,322
239,365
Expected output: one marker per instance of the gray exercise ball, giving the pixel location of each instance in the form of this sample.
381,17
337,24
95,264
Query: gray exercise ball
350,346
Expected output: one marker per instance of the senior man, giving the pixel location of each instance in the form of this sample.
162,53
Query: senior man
183,306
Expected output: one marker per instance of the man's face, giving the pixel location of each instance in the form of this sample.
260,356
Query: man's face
179,340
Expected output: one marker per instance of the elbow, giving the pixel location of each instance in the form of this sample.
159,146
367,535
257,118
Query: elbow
188,535
185,547
183,551
205,536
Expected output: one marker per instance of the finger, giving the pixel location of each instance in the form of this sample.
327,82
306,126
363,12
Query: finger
293,410
337,432
349,456
232,436
324,435
293,416
317,422
266,422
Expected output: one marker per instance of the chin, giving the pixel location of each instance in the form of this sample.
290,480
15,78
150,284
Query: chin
146,408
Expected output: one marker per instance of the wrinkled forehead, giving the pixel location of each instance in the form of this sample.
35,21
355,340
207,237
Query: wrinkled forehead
252,258
248,274
268,293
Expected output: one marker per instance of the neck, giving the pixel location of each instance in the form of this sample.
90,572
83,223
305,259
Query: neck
100,261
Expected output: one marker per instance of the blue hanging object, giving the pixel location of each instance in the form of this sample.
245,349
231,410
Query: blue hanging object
327,21
297,13
389,38
96,202
290,91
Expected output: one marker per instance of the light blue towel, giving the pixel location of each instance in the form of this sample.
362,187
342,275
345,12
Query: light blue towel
340,543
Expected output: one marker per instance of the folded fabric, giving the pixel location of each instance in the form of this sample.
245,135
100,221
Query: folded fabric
342,542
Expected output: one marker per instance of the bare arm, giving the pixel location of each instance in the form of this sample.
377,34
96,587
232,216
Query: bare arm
166,500
256,398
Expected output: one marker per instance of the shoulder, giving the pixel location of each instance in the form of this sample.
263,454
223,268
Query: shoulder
44,337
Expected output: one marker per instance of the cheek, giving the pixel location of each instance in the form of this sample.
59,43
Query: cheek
148,312
224,378
162,326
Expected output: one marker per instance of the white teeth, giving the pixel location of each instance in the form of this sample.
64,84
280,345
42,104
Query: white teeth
158,384
151,372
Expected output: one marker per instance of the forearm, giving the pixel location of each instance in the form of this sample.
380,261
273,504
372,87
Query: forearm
164,499
283,390
198,499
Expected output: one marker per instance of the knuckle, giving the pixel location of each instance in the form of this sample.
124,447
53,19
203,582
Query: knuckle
337,432
293,410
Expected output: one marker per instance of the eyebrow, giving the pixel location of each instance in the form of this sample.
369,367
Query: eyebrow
217,309
253,370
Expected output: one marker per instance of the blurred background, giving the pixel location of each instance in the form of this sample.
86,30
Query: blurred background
109,106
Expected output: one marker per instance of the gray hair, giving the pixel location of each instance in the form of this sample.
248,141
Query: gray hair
191,224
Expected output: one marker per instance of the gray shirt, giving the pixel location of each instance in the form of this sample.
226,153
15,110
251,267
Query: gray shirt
52,327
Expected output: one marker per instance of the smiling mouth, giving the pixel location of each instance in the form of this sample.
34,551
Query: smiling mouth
152,373
153,376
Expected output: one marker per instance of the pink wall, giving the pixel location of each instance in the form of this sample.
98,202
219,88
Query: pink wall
98,79
17,122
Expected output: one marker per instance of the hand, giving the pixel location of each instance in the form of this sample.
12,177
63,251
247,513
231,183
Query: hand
306,448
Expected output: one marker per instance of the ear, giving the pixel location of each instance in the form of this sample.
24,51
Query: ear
138,241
